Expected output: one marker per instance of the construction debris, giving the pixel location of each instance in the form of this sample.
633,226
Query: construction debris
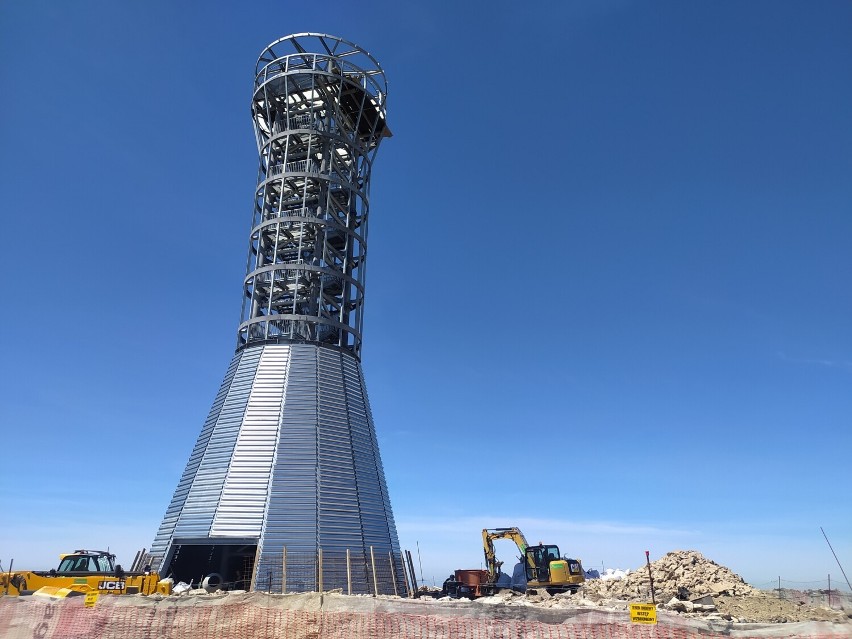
694,586
684,575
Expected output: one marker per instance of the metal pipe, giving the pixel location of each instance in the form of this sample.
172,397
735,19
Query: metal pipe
9,580
411,571
650,576
375,580
348,573
393,574
835,558
283,569
405,577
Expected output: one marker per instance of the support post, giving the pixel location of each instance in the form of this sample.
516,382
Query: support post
254,576
411,572
408,590
319,567
393,574
283,569
375,580
348,573
9,579
650,576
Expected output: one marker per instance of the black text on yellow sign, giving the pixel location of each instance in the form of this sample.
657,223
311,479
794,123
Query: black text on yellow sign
643,613
91,598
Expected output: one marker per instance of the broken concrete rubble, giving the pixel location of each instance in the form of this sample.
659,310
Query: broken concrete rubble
682,572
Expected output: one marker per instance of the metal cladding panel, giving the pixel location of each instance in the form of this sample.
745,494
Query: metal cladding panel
243,502
196,517
291,519
328,489
167,527
383,525
338,506
289,456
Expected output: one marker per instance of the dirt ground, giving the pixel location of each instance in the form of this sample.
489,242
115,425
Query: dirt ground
767,607
758,607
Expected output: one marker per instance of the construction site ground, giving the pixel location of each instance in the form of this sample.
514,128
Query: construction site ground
337,616
714,602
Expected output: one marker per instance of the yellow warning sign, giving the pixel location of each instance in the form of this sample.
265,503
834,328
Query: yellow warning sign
643,613
91,598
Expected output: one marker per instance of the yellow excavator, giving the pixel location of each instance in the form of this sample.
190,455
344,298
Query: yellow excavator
544,568
84,571
544,565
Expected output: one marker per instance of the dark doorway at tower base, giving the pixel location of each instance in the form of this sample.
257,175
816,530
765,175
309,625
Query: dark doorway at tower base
233,563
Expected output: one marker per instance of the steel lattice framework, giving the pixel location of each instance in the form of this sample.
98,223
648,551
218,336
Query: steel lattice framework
287,463
319,115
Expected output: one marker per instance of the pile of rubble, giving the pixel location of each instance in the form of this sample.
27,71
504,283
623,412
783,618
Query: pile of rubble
682,574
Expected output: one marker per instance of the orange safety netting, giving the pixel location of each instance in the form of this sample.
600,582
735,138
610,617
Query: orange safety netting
115,619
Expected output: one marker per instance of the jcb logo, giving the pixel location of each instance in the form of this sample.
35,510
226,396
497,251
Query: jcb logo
111,585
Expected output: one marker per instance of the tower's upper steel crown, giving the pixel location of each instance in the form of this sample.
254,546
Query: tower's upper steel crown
319,116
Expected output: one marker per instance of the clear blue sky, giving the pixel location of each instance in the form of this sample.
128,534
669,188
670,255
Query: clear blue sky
608,297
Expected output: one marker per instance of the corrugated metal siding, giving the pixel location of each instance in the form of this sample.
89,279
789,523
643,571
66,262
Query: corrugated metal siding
289,454
339,524
243,503
291,519
196,518
328,488
360,398
367,470
167,527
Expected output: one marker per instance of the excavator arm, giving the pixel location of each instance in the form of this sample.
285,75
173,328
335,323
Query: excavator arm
488,537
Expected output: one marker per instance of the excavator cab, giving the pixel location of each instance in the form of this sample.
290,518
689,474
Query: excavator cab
538,562
546,568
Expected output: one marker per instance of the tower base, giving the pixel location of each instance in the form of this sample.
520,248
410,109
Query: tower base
284,490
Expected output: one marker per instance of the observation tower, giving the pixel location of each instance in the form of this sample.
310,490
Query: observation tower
284,490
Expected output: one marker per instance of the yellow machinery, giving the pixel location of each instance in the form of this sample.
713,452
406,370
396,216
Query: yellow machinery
85,571
545,567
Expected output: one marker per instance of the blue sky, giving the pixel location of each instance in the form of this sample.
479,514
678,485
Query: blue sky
608,296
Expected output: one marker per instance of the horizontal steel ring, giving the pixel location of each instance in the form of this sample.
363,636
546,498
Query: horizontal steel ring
303,267
310,220
301,318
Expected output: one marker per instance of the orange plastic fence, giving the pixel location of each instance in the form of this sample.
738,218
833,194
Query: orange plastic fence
111,619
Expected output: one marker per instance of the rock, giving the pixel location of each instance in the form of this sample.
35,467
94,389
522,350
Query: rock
677,572
703,607
679,606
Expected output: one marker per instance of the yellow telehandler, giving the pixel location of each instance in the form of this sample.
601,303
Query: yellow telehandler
84,571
